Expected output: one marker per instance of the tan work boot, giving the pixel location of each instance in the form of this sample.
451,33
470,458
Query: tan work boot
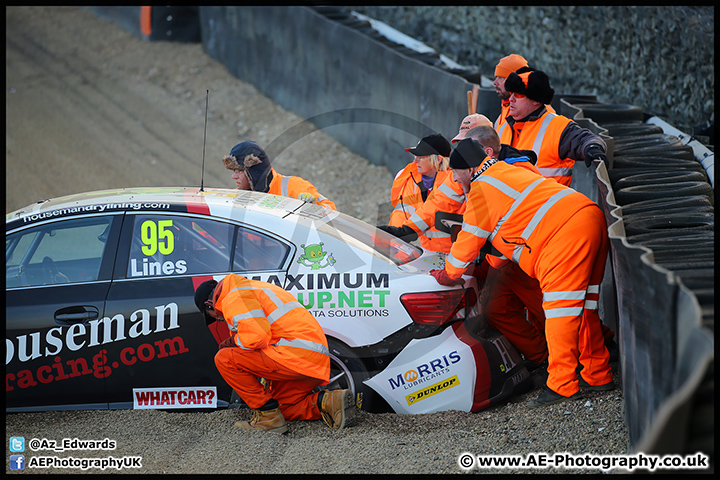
271,421
338,408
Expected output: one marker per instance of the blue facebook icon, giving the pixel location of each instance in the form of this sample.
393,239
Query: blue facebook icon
17,462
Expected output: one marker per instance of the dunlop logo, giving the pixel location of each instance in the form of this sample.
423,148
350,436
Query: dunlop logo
431,390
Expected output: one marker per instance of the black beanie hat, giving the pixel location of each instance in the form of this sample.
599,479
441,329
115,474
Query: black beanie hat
249,157
468,154
202,294
432,144
533,84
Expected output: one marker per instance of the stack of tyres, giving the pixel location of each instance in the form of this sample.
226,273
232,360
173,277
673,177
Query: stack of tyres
668,207
666,198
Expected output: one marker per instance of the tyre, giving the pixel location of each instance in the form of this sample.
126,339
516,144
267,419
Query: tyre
677,212
663,221
611,113
694,245
700,239
618,130
348,371
656,161
687,253
680,265
616,174
636,141
672,235
684,152
698,278
664,204
637,193
660,177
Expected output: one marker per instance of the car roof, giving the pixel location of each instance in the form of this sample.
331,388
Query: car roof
218,202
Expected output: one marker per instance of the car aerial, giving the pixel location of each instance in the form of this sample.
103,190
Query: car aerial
100,309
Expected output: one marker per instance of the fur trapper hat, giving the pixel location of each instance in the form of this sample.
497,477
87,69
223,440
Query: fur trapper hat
533,84
249,157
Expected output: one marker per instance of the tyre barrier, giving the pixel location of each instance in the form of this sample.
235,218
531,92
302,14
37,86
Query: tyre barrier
666,205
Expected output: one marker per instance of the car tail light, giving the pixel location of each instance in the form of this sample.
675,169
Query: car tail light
438,308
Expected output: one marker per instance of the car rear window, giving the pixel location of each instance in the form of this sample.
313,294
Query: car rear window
373,240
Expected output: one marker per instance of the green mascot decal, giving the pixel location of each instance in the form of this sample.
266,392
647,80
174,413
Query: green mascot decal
314,256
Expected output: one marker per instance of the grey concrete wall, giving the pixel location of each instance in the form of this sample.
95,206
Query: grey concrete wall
661,58
363,93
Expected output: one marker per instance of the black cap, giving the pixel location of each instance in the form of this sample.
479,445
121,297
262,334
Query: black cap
202,294
468,154
432,144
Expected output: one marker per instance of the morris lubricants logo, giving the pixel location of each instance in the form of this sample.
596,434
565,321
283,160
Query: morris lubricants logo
424,372
433,389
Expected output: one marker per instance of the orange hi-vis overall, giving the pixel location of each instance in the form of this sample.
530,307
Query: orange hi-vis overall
543,137
508,291
505,110
406,198
290,186
277,339
557,236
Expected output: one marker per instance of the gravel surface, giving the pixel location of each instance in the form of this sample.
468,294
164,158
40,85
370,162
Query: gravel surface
100,108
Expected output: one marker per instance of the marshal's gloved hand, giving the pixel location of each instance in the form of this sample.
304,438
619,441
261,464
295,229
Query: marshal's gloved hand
404,233
444,279
307,197
595,151
228,342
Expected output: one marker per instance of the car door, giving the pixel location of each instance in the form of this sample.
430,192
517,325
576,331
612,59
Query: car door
162,259
58,274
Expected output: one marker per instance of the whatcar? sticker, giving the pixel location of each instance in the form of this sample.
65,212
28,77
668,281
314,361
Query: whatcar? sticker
175,397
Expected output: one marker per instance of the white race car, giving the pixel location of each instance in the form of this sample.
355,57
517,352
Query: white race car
100,285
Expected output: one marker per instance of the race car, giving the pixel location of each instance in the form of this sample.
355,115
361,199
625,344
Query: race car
100,310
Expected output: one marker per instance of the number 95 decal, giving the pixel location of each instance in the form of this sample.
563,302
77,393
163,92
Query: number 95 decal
157,237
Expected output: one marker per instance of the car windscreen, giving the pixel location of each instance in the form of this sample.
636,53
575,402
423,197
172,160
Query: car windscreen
373,240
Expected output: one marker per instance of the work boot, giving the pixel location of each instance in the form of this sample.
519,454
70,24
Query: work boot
548,397
538,373
271,421
338,408
596,388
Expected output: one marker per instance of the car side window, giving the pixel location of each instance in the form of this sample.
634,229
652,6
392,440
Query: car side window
256,251
168,245
64,251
